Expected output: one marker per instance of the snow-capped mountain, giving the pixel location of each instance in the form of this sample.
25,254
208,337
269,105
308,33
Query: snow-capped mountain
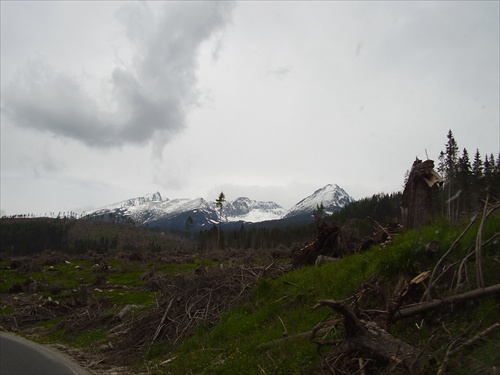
245,209
153,210
333,198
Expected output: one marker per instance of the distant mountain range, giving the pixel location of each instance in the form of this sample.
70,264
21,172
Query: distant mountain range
154,211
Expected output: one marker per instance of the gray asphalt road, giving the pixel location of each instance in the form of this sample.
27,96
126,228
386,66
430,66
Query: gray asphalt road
19,356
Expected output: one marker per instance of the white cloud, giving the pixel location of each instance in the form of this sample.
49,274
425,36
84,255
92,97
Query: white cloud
269,100
151,96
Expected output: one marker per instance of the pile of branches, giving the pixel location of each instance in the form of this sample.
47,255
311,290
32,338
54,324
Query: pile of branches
185,302
25,265
38,311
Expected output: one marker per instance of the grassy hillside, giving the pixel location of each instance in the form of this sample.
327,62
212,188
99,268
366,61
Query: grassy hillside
269,334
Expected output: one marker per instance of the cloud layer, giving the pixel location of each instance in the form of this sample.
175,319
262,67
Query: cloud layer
149,96
270,100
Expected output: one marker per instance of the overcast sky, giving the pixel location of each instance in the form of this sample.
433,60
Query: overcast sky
105,101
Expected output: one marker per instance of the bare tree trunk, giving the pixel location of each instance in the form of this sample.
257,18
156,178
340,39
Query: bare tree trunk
479,252
428,306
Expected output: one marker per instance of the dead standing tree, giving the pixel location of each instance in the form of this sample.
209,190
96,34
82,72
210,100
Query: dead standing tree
417,200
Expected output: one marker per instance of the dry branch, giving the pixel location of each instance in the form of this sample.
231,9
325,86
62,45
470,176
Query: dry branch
428,306
427,294
478,250
466,345
162,321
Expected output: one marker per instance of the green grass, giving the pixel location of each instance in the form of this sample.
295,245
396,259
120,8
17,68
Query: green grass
275,307
126,297
87,339
247,338
173,269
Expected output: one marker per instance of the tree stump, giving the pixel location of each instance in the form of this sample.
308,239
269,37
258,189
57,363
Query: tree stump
417,202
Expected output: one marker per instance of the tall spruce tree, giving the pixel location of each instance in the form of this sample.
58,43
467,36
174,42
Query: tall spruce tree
219,203
450,167
489,174
477,184
464,181
477,166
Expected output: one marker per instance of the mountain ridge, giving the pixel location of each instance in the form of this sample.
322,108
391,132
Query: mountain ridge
153,210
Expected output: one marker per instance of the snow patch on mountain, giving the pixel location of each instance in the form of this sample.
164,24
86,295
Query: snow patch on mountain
245,209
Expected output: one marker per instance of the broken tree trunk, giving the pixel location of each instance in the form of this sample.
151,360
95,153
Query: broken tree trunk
369,340
324,244
428,306
417,199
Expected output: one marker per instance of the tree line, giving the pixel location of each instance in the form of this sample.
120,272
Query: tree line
254,236
467,183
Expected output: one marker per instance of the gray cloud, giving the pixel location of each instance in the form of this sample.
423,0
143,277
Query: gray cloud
152,96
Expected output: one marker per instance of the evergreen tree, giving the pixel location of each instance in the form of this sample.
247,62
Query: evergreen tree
489,175
219,203
477,180
318,215
488,171
441,165
450,166
477,166
189,225
464,180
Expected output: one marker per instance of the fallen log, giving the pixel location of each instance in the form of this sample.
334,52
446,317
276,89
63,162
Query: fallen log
368,340
423,307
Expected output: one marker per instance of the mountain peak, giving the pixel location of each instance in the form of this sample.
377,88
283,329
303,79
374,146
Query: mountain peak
328,188
153,197
332,196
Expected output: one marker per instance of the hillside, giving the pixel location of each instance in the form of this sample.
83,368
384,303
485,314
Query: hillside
287,326
229,312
